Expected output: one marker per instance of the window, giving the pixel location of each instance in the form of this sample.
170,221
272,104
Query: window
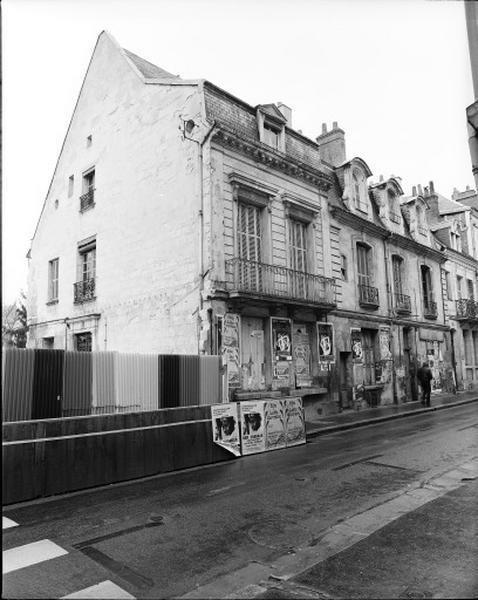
394,208
87,199
459,287
343,267
368,350
249,245
298,256
83,342
428,302
89,141
397,268
469,286
48,343
357,190
53,270
363,264
71,185
84,288
272,136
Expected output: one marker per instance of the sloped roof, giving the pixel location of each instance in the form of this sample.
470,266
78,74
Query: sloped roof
442,225
147,69
273,111
471,201
448,207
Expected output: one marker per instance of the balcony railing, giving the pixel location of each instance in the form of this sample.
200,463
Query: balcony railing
84,290
395,217
260,279
430,308
87,200
403,304
466,309
368,296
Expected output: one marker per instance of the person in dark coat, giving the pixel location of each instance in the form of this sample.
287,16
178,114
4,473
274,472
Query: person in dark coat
425,377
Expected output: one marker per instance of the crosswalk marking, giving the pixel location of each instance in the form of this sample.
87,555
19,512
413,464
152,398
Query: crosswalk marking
30,554
7,523
105,589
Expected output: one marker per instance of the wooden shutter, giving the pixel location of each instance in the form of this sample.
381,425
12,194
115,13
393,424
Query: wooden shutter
362,265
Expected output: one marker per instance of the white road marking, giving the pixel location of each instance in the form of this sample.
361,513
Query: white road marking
7,523
105,589
30,554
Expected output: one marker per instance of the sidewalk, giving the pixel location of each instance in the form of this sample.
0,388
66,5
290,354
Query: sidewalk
352,418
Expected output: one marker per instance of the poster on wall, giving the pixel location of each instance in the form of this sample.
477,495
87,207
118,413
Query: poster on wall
230,349
274,417
356,341
252,427
294,422
225,427
281,339
325,341
384,343
301,353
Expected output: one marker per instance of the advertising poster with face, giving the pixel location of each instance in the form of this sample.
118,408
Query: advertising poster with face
281,339
356,340
252,427
295,421
325,338
274,417
384,338
225,427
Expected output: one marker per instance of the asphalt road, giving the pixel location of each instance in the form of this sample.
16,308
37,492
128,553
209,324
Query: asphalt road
165,536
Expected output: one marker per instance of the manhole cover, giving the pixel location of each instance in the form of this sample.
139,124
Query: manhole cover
279,534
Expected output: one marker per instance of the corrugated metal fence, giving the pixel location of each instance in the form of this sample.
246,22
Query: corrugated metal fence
44,384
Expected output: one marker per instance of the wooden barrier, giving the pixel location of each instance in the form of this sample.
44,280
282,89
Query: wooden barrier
53,456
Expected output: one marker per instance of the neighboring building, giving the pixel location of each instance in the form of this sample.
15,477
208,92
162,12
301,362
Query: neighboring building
182,220
455,225
471,14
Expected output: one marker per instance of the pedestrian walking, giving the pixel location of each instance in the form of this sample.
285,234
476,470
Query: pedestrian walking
425,377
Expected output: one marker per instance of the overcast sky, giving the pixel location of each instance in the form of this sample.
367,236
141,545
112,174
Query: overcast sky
395,74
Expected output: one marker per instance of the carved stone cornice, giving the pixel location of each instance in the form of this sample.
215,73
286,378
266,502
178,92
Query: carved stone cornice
359,224
273,159
417,248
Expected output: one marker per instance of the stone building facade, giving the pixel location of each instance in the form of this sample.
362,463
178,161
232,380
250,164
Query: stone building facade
180,219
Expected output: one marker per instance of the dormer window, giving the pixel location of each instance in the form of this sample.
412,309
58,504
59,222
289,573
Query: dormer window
358,191
271,123
421,220
394,208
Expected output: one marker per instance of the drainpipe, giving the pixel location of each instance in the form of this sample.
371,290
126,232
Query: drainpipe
390,312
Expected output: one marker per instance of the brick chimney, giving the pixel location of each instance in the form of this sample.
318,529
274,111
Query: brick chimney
332,144
286,112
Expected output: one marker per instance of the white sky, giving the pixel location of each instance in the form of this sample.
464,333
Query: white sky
395,75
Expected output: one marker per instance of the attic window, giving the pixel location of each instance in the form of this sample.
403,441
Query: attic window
89,141
271,123
272,136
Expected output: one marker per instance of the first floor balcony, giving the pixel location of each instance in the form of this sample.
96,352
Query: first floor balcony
466,309
403,305
256,279
84,290
368,296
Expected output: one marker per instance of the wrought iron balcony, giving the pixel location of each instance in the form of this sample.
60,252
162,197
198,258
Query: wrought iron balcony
84,290
368,296
402,304
87,200
395,217
253,278
430,308
466,309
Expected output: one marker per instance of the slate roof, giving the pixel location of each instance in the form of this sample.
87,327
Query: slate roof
147,69
471,201
448,207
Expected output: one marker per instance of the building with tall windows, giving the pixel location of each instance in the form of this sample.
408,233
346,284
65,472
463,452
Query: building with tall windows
181,219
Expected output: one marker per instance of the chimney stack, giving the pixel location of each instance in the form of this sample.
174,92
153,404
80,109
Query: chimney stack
414,190
432,187
286,112
332,144
420,191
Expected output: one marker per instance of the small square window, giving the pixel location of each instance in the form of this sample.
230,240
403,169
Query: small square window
48,343
89,141
71,185
83,342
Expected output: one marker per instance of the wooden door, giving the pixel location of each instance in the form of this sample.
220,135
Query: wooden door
253,365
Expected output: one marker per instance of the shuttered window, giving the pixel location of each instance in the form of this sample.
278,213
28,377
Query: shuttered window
298,246
249,234
53,269
363,267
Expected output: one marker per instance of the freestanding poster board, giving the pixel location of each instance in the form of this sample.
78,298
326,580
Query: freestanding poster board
274,415
252,427
294,422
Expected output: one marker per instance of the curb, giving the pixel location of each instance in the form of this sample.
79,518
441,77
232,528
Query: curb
374,420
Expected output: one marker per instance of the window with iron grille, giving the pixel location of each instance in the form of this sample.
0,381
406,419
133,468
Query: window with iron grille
53,271
83,341
84,288
87,199
469,285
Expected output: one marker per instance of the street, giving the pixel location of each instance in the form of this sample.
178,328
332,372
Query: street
171,535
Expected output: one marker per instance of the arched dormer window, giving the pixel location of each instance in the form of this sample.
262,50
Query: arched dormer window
394,207
358,190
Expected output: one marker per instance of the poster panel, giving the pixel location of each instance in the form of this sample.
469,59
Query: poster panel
225,427
384,342
325,340
252,427
274,417
230,349
281,339
302,354
294,421
356,340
